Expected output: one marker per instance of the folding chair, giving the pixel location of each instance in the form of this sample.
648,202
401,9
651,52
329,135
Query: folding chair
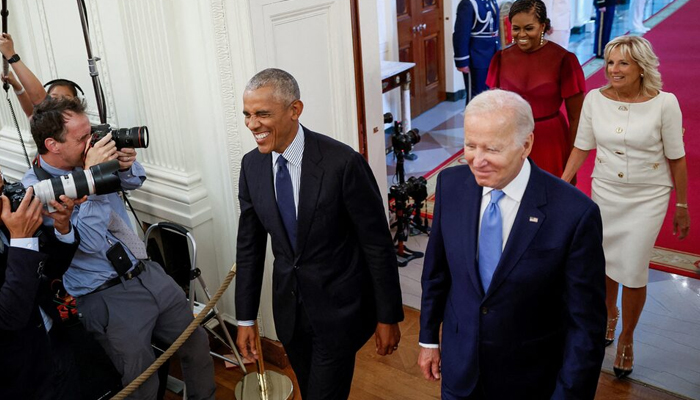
174,248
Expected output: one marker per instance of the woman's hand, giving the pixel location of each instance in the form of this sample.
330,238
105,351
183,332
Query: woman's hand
681,223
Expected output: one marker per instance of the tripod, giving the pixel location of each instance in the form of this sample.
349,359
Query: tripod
403,215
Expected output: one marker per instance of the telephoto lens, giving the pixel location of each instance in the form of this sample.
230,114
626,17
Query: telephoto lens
98,179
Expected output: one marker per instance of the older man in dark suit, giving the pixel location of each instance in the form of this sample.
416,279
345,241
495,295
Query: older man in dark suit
514,270
335,278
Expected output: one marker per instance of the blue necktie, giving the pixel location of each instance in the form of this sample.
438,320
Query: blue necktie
285,200
490,239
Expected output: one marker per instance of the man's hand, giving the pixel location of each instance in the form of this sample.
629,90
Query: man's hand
26,220
64,210
246,341
387,337
464,70
126,157
7,46
429,363
104,150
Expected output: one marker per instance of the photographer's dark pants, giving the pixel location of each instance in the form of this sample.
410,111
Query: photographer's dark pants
125,317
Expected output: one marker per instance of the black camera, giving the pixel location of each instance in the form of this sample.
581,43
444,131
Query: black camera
98,179
417,188
403,142
136,137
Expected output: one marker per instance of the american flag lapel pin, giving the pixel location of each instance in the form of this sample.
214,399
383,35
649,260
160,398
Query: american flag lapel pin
534,219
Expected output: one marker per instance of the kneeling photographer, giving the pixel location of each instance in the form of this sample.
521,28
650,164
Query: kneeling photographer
123,298
33,364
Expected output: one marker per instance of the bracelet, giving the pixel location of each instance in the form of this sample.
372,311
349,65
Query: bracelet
682,205
19,92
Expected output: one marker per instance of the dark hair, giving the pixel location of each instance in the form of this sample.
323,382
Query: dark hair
48,120
74,88
526,6
286,88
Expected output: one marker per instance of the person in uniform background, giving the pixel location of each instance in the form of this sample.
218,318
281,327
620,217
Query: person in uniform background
475,41
560,17
637,16
604,17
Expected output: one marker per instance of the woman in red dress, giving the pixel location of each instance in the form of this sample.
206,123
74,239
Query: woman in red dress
545,74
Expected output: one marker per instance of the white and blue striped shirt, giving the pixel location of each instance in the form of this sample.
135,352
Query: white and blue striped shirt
293,154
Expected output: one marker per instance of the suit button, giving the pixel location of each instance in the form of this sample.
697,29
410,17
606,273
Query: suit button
484,310
294,293
619,130
621,175
296,267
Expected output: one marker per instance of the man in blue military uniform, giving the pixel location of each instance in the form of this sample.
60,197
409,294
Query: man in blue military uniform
604,17
475,41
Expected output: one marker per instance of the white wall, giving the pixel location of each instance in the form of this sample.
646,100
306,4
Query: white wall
180,68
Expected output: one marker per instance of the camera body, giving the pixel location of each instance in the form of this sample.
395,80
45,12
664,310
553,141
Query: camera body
15,192
417,188
403,142
136,137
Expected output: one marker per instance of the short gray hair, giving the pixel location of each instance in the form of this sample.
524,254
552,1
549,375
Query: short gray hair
638,49
507,106
285,87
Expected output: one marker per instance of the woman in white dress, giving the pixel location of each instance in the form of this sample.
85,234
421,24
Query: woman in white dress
637,132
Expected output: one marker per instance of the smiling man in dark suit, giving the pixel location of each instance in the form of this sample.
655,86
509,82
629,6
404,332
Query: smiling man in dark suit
335,278
514,270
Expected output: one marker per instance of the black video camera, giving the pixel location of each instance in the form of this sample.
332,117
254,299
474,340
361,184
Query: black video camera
136,137
417,188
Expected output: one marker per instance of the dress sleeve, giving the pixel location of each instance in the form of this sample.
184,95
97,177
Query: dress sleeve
571,76
672,128
493,80
585,138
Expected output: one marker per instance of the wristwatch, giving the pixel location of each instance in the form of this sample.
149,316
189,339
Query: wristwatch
13,59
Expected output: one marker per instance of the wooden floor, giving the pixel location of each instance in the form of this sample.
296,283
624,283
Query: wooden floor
397,377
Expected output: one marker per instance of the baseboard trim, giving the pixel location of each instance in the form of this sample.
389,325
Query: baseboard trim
456,96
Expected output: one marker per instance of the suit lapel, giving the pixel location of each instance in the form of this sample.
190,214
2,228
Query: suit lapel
470,220
527,222
310,186
266,187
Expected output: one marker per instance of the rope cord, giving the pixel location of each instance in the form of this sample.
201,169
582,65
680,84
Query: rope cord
130,388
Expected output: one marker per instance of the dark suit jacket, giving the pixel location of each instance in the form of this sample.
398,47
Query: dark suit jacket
344,268
25,355
538,331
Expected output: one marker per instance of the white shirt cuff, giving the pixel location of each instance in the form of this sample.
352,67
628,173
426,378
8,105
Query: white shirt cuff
67,238
429,345
246,323
31,243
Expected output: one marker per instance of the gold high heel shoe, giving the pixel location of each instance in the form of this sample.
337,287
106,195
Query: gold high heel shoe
617,368
610,332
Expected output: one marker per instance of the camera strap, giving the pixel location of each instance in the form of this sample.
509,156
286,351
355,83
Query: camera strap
40,173
126,200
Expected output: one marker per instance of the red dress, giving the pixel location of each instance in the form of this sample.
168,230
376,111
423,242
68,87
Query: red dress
544,77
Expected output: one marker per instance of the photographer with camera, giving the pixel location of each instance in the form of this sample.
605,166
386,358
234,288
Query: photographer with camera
31,366
123,298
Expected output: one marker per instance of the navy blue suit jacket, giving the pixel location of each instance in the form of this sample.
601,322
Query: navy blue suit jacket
538,331
344,267
475,42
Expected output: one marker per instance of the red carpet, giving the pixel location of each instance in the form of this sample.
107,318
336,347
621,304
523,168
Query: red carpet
674,43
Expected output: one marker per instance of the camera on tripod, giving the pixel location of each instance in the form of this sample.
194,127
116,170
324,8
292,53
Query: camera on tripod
98,179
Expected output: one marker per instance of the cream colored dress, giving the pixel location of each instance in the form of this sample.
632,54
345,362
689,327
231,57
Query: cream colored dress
631,179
